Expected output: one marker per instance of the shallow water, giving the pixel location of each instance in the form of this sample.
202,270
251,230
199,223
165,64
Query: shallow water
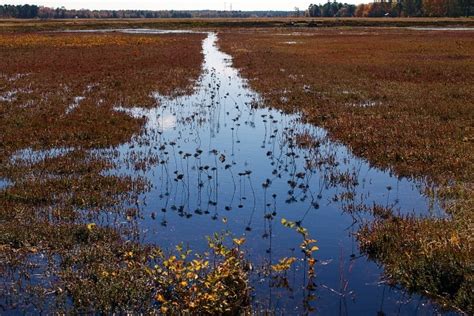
220,160
442,28
32,156
132,31
4,183
9,96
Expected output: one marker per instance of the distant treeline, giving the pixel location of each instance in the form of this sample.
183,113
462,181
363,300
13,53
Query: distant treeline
33,11
397,8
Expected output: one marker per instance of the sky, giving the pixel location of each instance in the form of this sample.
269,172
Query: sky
243,5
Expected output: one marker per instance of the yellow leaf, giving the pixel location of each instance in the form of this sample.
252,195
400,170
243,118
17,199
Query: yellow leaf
454,239
238,242
284,264
91,226
160,298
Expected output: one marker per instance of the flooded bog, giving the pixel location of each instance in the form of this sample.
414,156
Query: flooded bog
220,161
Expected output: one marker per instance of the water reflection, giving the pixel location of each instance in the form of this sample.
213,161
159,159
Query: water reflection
219,160
155,121
4,183
31,156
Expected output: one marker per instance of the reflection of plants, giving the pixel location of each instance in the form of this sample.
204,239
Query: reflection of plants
308,247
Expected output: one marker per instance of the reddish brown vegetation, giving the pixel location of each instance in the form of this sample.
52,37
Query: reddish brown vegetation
58,92
47,72
402,99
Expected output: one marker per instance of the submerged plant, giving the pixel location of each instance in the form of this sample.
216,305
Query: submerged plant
308,247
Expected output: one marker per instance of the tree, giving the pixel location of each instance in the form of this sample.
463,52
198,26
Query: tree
329,9
314,10
297,12
360,10
411,7
19,11
347,10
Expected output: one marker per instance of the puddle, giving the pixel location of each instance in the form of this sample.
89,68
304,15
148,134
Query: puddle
14,77
219,160
75,104
9,96
293,34
35,156
442,28
4,183
132,31
364,104
155,121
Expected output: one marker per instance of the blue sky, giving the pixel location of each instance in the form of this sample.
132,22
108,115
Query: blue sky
176,5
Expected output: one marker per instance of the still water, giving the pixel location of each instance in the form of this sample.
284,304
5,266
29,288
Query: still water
219,160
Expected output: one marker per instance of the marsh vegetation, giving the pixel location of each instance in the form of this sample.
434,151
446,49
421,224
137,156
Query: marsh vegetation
151,172
403,100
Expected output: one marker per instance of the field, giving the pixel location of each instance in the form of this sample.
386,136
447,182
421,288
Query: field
120,152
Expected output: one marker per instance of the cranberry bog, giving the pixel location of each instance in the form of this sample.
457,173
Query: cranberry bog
236,170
